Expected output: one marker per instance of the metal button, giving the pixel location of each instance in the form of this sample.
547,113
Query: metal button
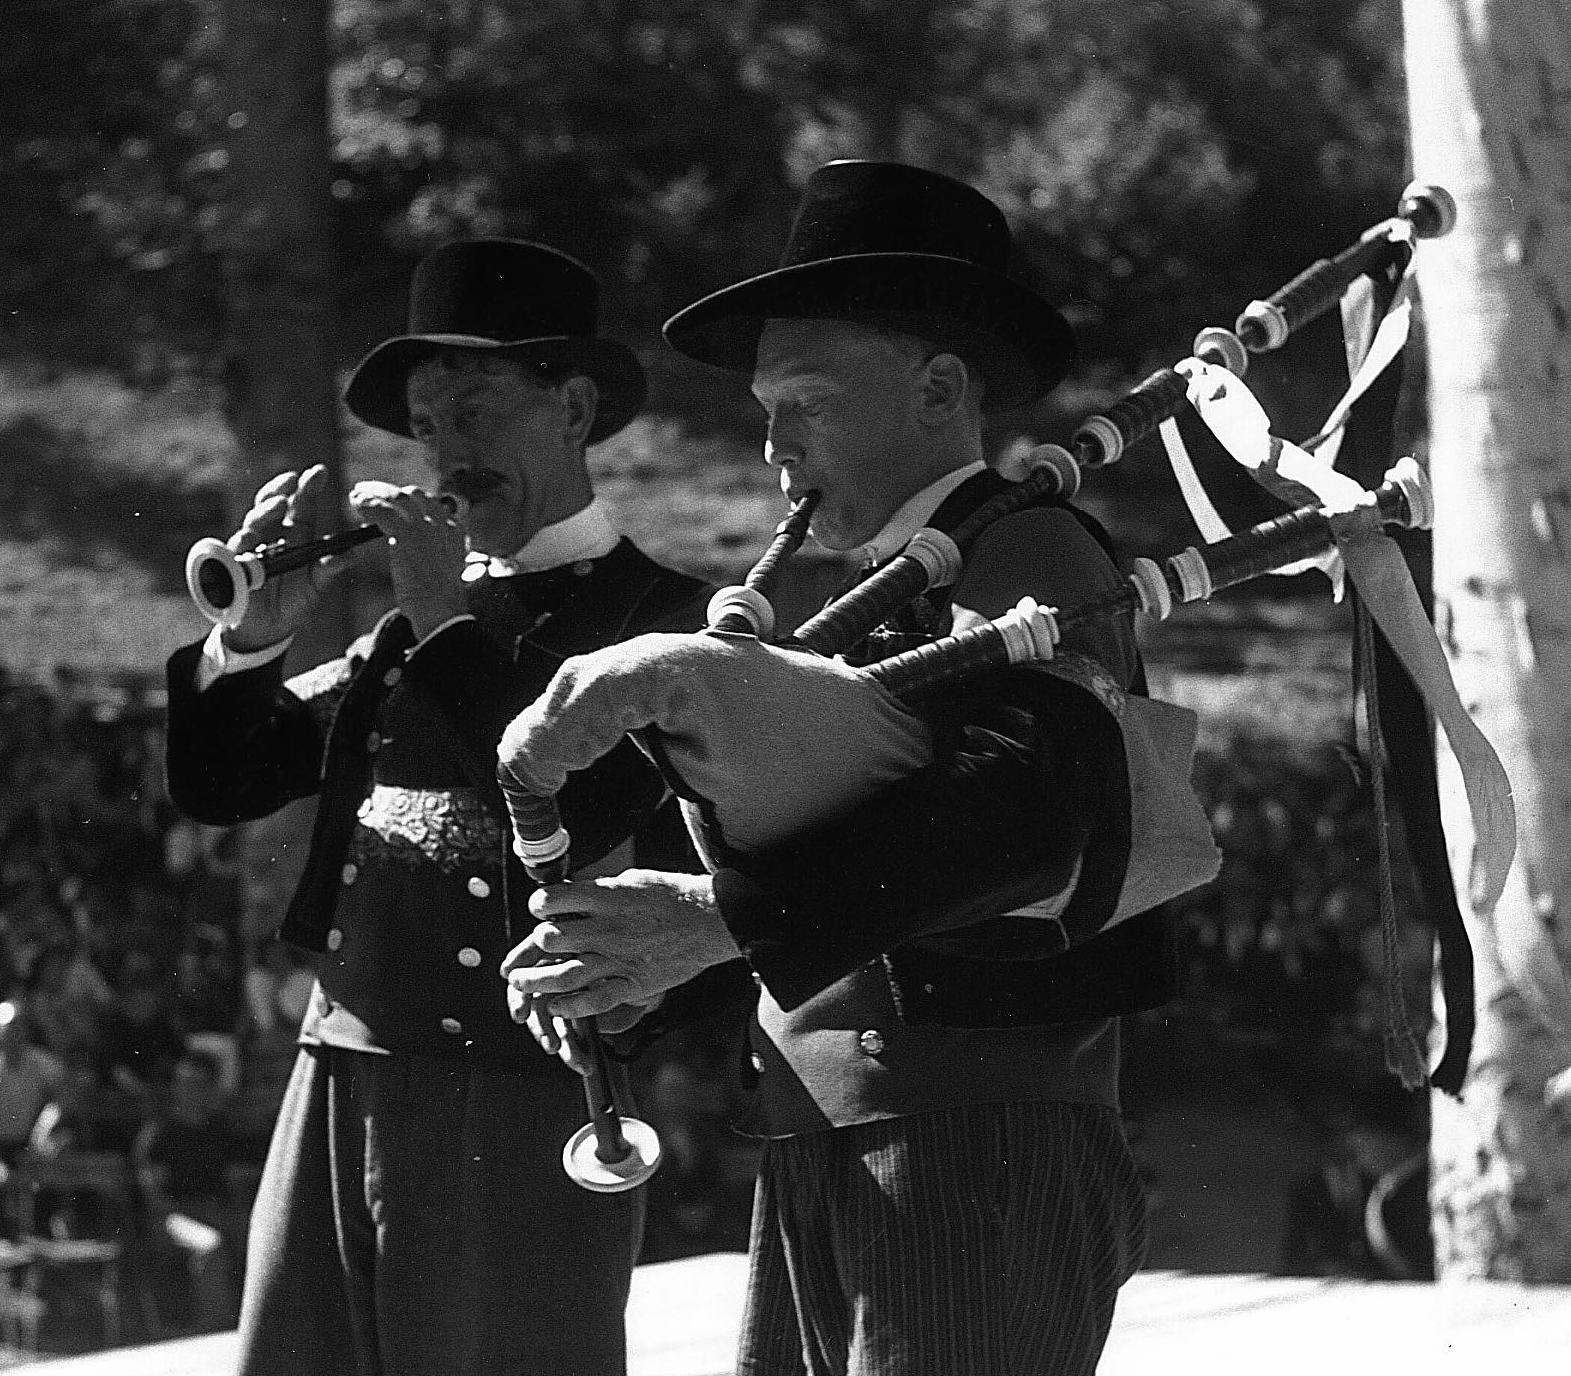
364,810
477,887
871,1042
391,677
373,742
468,957
452,1026
349,873
335,939
758,1062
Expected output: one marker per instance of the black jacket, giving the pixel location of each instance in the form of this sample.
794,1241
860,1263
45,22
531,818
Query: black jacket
404,884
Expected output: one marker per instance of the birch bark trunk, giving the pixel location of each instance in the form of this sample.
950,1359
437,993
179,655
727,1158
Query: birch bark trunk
1489,91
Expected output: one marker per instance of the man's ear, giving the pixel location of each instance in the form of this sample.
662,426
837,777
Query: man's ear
582,399
946,384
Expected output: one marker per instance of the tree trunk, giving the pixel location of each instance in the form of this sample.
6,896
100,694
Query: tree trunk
1490,103
281,373
282,391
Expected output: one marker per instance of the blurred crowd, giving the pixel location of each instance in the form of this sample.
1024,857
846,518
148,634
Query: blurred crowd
147,1010
136,1017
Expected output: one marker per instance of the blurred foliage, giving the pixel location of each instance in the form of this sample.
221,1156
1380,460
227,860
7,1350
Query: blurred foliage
97,473
109,111
1161,162
1288,936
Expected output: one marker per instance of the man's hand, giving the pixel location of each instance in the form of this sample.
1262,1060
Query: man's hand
612,947
557,1039
296,508
426,555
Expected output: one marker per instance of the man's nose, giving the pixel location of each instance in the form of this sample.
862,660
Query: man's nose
781,446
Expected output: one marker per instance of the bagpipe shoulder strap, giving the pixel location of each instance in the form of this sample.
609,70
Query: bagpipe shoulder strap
1128,968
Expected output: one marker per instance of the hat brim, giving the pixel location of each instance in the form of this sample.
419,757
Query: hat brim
377,390
1023,346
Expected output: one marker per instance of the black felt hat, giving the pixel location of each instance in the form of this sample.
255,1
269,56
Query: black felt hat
507,297
911,250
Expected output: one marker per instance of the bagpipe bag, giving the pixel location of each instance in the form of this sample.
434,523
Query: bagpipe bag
763,742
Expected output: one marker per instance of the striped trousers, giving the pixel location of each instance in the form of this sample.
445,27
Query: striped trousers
988,1240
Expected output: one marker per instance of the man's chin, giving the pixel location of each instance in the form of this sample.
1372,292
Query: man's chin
836,540
501,538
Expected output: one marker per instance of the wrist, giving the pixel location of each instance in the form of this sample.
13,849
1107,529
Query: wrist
220,656
242,640
719,944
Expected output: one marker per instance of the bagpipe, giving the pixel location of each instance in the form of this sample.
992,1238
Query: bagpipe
737,721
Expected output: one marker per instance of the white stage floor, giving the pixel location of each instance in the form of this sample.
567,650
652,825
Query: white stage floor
683,1316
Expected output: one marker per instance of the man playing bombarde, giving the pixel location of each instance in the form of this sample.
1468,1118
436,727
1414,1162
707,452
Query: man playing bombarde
413,1217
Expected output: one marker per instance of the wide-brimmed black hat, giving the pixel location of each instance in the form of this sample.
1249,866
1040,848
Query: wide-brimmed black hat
507,297
901,247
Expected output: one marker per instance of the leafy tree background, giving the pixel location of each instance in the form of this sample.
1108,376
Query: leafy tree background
1161,163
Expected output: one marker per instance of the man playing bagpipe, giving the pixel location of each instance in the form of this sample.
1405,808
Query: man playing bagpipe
411,1217
945,1185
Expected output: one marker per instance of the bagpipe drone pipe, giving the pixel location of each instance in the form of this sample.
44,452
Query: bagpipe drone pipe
1213,430
736,722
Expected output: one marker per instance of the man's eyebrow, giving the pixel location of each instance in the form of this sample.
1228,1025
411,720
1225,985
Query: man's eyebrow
794,382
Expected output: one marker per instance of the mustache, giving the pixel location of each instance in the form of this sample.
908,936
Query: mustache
474,484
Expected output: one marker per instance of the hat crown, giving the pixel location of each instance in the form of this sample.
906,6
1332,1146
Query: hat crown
503,289
903,248
857,207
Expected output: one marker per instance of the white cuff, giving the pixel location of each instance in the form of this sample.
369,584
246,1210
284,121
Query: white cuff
218,659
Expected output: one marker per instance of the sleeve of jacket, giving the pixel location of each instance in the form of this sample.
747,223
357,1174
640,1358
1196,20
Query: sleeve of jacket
1028,778
241,749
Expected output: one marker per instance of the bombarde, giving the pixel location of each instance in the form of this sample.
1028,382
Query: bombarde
221,581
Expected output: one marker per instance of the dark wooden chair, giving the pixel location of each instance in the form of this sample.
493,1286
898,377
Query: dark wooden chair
78,1222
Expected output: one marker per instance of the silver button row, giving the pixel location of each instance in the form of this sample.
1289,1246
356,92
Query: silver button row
468,956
